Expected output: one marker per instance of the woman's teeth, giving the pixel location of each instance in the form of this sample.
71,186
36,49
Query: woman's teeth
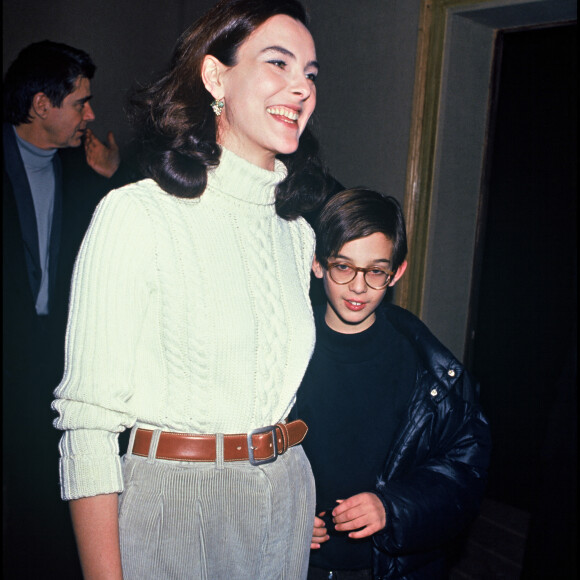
283,112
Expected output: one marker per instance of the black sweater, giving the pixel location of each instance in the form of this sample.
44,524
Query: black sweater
352,398
436,445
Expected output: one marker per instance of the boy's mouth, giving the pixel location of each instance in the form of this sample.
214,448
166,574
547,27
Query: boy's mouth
354,305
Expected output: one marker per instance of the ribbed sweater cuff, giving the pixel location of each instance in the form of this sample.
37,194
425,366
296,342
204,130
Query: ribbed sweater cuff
86,476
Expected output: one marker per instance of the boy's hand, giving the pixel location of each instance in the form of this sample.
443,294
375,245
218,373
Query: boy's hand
104,158
364,510
319,534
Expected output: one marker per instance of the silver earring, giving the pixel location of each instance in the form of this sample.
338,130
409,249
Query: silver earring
217,105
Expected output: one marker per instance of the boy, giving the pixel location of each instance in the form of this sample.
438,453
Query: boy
397,442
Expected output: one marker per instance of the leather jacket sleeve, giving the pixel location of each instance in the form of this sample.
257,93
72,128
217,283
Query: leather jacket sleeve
435,476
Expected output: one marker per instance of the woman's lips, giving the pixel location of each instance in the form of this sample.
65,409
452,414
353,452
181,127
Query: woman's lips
284,114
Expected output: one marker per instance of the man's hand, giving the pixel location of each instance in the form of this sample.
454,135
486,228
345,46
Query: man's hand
319,534
364,510
104,158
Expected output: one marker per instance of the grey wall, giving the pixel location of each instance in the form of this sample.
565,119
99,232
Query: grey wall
129,40
459,154
366,49
367,52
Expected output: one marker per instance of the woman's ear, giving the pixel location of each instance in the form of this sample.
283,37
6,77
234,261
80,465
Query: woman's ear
211,74
317,268
400,271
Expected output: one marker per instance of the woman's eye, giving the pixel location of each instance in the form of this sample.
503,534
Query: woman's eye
311,77
278,63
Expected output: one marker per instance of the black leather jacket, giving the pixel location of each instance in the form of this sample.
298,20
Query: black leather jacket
434,476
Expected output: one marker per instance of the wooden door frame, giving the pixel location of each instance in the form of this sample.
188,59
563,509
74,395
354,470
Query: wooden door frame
421,158
429,76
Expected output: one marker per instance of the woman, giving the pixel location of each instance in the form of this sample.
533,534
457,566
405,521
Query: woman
190,318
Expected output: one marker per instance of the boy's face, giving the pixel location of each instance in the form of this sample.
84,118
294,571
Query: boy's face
351,307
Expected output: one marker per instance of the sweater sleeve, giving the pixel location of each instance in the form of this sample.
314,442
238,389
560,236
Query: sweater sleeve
112,285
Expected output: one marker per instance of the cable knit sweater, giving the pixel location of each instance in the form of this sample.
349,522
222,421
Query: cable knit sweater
186,315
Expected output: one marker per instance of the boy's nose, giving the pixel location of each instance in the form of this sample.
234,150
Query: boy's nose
358,283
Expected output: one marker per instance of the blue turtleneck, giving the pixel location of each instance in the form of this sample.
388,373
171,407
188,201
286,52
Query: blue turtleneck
40,173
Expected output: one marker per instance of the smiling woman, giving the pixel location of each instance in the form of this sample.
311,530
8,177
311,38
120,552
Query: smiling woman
174,114
215,483
269,94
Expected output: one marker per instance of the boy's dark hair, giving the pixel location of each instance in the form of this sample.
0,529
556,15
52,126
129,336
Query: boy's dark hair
357,213
45,67
176,124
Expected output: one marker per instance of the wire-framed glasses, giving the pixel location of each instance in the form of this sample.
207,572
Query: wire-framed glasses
343,273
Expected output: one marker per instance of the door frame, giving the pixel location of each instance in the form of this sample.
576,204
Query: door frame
446,159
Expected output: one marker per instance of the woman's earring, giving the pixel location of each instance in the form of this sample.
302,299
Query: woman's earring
217,106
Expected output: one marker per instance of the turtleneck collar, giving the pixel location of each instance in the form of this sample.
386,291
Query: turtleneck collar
34,158
247,183
353,348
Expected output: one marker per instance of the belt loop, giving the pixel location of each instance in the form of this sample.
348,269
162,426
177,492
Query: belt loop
153,445
219,451
285,439
131,440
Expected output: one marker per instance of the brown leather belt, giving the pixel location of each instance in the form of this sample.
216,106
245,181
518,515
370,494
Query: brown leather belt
188,447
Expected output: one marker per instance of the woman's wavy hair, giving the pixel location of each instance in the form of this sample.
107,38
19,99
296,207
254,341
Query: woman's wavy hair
176,125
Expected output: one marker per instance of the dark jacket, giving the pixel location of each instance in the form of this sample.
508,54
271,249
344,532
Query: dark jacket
434,476
33,355
30,340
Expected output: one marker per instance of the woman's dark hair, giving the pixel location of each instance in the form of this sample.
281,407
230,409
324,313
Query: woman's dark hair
357,213
45,67
176,125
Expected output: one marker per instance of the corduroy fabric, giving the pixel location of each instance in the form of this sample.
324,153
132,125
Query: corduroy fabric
216,521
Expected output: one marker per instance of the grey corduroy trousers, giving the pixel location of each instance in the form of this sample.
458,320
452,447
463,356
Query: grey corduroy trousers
216,521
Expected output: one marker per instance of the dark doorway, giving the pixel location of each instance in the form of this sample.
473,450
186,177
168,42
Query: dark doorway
525,307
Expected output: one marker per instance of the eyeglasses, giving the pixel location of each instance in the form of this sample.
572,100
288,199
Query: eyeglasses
343,273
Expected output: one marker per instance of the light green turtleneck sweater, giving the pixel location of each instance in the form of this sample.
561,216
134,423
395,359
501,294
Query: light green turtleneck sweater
187,315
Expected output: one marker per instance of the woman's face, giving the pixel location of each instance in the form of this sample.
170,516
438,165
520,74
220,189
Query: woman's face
269,93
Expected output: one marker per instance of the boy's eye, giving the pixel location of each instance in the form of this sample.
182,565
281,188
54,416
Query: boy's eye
343,267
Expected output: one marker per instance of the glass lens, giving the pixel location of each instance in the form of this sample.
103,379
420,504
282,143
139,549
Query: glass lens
376,278
342,273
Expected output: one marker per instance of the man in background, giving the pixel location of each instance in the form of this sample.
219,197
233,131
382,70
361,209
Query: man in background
51,186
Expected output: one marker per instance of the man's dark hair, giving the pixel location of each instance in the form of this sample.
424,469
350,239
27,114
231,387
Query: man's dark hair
45,67
357,213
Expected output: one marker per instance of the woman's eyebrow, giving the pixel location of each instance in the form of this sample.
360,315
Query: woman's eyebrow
290,54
